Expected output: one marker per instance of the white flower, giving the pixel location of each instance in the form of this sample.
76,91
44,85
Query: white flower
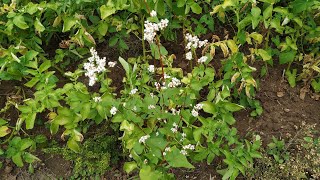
152,95
175,127
94,66
145,161
157,133
174,82
194,113
134,108
163,23
144,138
133,91
151,107
202,59
97,99
151,29
151,68
153,13
189,55
164,153
189,146
166,76
184,135
174,130
158,86
184,152
112,63
113,110
193,41
198,106
167,149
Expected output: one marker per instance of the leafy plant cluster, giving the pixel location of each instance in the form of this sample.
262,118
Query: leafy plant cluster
168,116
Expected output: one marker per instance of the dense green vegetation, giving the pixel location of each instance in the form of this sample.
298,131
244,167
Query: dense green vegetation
165,116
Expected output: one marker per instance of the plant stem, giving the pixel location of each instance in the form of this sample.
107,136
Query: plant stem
143,42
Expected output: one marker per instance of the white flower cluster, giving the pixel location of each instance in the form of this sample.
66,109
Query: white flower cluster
97,99
151,107
151,29
153,13
167,149
144,138
183,152
184,135
194,42
151,68
95,65
174,82
189,55
203,59
113,110
187,147
133,91
112,63
195,110
175,112
175,127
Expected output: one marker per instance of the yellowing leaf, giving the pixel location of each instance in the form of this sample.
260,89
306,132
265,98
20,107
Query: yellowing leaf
257,37
224,49
264,54
4,130
106,11
233,46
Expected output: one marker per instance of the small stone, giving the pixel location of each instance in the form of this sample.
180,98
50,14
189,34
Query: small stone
280,94
286,110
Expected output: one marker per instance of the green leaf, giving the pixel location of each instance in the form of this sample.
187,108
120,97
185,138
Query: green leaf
146,173
125,65
30,120
103,28
232,106
4,130
25,143
68,23
39,27
228,118
209,107
287,57
32,82
176,159
29,158
255,12
19,21
196,8
44,66
17,159
157,142
129,166
113,41
73,145
181,3
106,11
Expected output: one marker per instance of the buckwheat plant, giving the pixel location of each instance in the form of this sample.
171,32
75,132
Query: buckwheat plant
168,122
